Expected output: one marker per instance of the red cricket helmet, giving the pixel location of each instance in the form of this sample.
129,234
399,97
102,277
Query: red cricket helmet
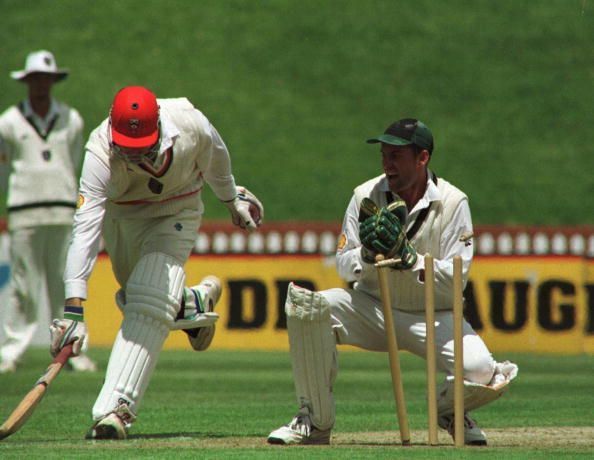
134,118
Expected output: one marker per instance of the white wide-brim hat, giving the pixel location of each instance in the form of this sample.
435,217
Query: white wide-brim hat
40,62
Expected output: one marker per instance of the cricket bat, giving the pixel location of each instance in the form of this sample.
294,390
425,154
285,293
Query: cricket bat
26,407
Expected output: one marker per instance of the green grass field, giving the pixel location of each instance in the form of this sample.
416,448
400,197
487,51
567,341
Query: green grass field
296,86
222,404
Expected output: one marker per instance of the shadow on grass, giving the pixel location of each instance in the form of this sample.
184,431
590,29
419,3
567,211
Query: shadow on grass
192,435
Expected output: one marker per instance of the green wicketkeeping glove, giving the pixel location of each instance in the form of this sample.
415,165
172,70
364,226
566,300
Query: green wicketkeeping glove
395,237
381,232
408,256
387,233
367,212
367,236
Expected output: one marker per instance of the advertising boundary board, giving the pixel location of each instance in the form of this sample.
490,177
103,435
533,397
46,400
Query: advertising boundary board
517,304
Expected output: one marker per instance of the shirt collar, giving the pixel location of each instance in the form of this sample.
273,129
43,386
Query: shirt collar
169,133
51,113
431,194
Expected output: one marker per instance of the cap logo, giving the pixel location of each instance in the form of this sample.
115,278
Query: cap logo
47,60
134,123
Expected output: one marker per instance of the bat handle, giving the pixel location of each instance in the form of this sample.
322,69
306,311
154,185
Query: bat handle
63,355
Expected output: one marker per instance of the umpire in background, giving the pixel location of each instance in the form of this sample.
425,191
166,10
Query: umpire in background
40,151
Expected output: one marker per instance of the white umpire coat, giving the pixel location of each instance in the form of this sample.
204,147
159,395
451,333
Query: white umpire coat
40,157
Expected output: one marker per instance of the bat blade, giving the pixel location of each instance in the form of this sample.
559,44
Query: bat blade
26,407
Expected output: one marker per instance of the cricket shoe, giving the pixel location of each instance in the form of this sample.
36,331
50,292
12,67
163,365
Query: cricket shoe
114,425
200,300
300,431
473,435
82,363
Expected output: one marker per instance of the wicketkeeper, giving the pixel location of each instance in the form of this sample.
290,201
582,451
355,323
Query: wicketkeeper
416,213
141,184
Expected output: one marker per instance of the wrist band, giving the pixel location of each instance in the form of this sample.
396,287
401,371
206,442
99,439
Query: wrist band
74,313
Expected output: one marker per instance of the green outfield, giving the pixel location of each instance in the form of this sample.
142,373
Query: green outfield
222,404
296,86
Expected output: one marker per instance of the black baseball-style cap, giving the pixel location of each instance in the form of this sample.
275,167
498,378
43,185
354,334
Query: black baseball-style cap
406,132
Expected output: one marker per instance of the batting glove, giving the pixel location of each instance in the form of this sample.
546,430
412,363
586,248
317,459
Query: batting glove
69,330
246,210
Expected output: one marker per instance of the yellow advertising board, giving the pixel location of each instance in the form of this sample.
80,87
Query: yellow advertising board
540,304
251,308
528,303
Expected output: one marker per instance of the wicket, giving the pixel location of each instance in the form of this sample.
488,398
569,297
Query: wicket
458,351
382,267
430,353
394,358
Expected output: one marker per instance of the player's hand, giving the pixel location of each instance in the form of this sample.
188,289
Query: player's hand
393,241
408,256
367,233
65,331
390,234
381,233
246,210
367,213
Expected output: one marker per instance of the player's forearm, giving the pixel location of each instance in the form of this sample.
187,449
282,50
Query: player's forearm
82,253
219,175
349,261
86,230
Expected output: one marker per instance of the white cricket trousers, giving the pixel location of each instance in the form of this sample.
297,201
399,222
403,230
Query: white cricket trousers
37,259
127,240
358,319
166,242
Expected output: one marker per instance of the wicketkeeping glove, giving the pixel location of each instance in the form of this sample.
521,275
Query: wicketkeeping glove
367,210
408,256
67,330
246,210
382,232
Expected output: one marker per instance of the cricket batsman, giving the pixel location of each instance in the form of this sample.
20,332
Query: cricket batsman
141,183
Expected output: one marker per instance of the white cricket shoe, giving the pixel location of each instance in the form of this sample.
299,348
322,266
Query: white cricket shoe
300,431
204,297
8,367
473,435
114,425
82,363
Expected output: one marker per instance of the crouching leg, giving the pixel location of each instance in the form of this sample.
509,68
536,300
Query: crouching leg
314,358
475,395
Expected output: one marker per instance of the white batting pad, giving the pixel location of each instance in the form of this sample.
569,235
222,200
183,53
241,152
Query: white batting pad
152,301
475,394
313,353
155,287
199,320
131,364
